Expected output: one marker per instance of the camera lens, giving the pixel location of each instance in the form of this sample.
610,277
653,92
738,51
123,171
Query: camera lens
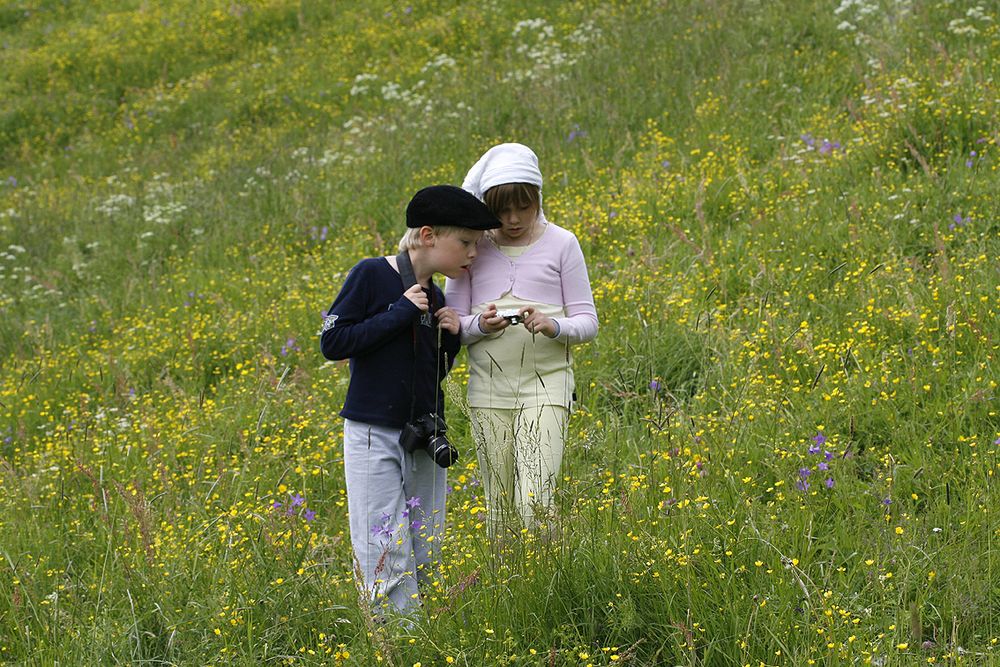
441,451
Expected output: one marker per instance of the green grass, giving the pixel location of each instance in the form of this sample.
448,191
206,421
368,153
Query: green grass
790,228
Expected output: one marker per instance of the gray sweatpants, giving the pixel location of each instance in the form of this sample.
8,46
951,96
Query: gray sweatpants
396,506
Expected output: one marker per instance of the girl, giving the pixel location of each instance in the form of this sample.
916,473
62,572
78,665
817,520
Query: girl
523,302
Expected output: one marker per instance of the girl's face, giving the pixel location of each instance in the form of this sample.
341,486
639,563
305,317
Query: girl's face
516,224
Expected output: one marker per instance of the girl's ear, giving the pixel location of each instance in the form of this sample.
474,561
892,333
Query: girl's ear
427,236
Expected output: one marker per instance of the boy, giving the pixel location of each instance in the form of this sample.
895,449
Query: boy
395,451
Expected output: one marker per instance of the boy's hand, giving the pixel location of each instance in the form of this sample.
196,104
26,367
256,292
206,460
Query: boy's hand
448,319
537,322
490,322
418,297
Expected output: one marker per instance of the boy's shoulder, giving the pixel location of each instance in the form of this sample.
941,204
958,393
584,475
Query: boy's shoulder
369,265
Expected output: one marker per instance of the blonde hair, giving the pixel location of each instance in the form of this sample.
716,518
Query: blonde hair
411,239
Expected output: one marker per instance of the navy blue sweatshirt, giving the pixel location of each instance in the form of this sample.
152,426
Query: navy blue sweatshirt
375,326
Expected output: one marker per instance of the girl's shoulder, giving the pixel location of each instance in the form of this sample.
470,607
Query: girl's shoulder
559,235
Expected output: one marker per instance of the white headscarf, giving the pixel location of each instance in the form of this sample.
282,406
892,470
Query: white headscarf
504,163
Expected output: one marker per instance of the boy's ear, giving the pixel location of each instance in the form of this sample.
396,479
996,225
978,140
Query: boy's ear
427,236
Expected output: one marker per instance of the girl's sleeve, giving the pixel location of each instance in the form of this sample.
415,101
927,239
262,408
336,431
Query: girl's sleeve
458,295
580,323
347,332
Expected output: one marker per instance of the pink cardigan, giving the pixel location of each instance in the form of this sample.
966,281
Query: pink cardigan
552,271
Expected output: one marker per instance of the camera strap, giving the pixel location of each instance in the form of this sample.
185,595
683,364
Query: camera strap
409,279
405,267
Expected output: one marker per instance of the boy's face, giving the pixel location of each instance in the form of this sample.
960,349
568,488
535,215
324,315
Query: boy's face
452,253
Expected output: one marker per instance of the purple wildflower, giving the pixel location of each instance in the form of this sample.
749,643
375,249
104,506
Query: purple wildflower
887,501
827,455
808,139
829,482
814,449
289,346
665,164
823,465
829,146
576,132
802,485
654,385
309,515
297,500
819,438
276,505
413,502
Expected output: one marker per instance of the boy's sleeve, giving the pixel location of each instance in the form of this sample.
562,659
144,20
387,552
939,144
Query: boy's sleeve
450,345
346,330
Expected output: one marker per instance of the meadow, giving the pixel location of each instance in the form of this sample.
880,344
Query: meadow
785,450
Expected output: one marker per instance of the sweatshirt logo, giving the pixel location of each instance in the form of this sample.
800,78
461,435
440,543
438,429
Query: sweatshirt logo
328,322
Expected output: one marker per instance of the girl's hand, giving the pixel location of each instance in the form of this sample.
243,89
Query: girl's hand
448,319
537,322
490,322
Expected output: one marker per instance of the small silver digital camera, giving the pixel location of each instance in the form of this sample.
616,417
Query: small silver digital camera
513,316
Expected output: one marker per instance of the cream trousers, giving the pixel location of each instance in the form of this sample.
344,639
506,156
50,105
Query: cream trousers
520,452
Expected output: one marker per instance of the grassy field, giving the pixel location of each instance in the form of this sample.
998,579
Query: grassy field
786,446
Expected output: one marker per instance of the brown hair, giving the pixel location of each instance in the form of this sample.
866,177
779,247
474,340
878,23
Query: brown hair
500,197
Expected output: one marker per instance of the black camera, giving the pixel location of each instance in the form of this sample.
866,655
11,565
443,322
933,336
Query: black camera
427,433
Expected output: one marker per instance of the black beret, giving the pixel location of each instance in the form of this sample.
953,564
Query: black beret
449,205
